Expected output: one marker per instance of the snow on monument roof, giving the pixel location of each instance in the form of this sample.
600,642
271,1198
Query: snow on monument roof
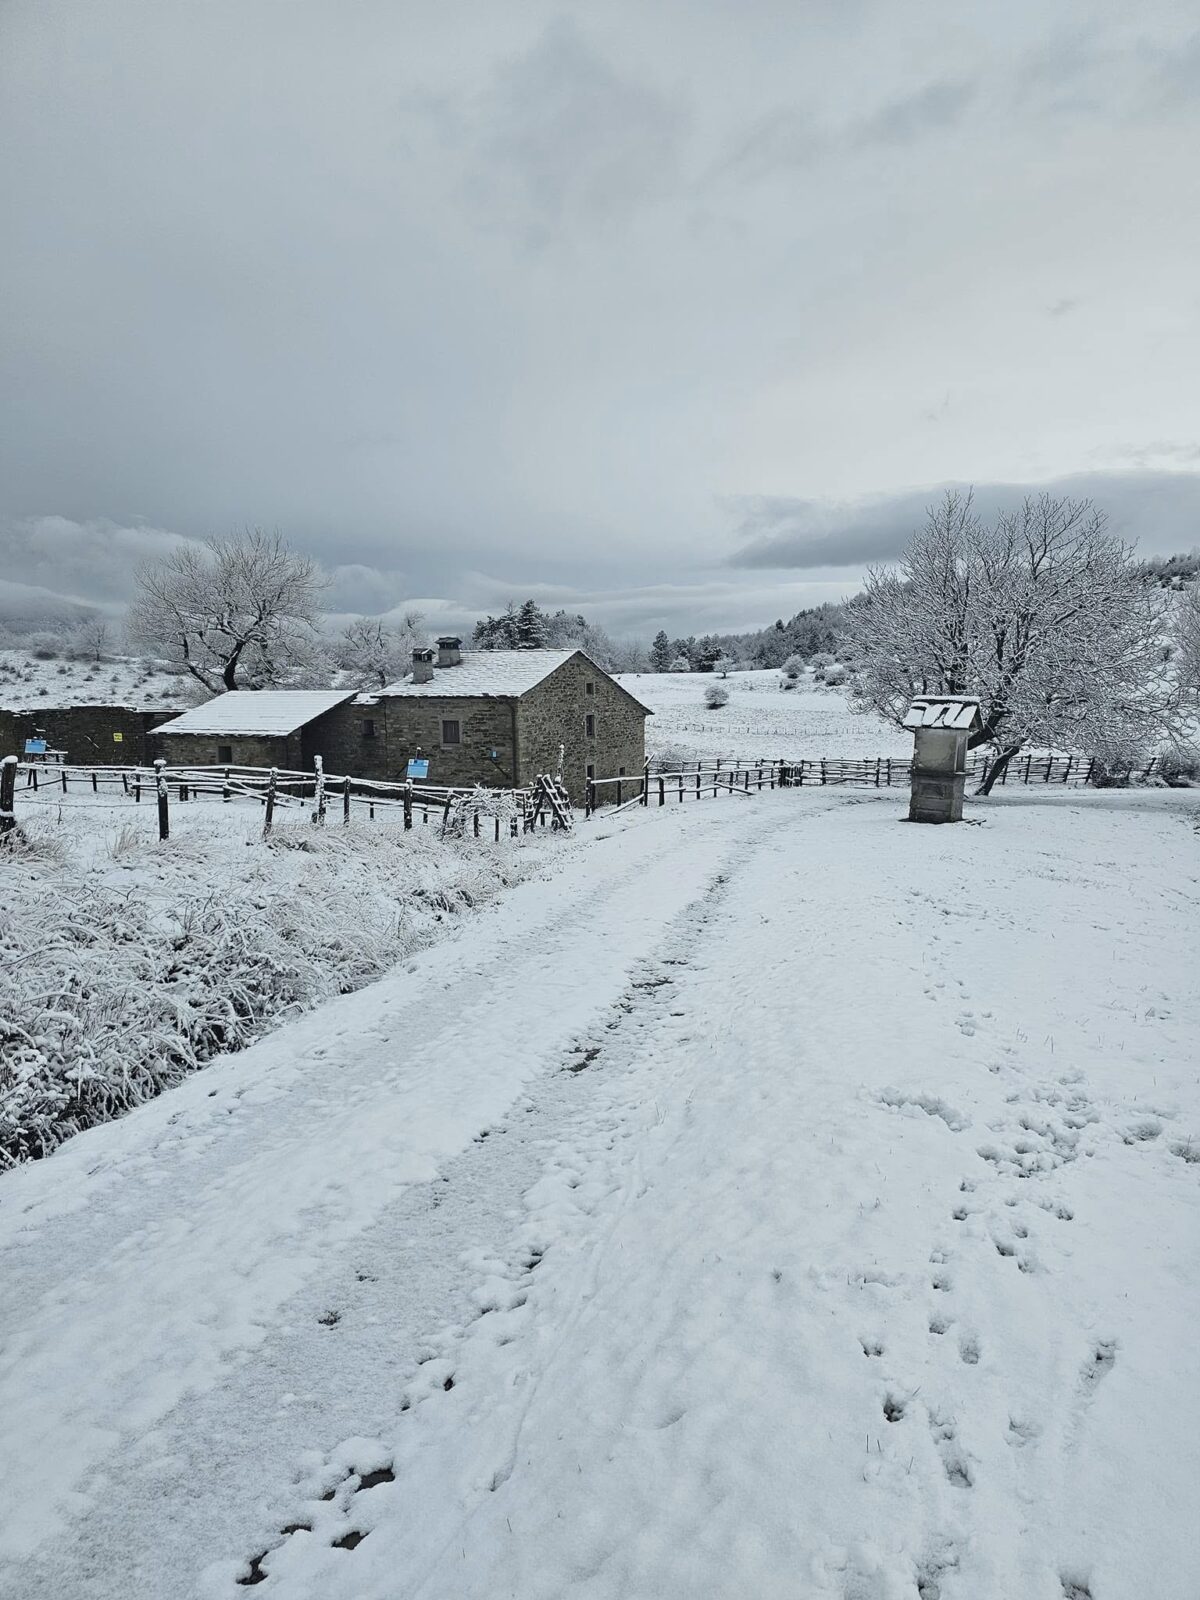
257,711
487,672
955,711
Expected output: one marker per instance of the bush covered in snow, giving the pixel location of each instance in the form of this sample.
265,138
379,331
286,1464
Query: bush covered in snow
716,696
124,964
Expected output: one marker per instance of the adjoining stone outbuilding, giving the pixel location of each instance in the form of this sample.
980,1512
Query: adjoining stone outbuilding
84,735
283,728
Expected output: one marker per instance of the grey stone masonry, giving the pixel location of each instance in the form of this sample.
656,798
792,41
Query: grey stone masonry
602,727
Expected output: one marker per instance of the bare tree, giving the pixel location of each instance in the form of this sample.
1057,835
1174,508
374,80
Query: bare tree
235,614
375,653
1043,615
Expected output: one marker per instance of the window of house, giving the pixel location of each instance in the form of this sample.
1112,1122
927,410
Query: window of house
591,769
368,728
620,772
589,726
225,755
589,687
451,730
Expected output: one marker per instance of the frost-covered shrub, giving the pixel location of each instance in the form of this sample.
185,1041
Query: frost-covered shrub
44,646
118,980
680,664
835,675
1180,767
821,660
793,668
716,696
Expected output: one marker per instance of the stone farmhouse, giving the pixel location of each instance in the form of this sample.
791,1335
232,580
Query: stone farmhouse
493,717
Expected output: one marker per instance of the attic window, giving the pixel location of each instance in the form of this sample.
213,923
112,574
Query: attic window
589,726
368,728
451,730
589,687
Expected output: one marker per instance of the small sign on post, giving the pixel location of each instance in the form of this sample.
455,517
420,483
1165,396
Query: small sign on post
118,738
418,767
35,747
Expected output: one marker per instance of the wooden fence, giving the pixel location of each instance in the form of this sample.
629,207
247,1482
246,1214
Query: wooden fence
707,779
458,810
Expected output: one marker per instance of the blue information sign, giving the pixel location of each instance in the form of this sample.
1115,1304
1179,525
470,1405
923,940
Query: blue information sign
35,747
418,769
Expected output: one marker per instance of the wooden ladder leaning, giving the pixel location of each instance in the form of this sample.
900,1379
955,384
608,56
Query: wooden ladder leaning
550,798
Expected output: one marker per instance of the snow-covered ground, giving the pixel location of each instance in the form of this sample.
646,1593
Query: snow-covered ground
761,719
777,1200
27,683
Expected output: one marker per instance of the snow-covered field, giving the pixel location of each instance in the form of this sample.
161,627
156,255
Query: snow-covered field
761,719
776,1200
27,683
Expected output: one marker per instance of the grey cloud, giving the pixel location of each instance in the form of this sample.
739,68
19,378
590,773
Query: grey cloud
559,136
90,563
931,109
1159,511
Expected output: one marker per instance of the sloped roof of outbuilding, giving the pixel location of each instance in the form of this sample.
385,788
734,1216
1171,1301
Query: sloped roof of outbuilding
262,712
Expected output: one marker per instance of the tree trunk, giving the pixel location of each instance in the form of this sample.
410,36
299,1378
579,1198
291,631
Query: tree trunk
997,769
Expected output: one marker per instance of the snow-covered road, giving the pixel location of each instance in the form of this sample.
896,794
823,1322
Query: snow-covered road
774,1201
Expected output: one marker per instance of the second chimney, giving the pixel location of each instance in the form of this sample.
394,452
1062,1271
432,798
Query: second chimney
422,666
449,651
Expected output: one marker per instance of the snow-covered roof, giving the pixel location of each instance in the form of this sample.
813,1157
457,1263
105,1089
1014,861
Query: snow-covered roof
957,712
487,673
258,711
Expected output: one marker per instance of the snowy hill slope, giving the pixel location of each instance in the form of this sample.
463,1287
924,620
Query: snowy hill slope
776,1201
761,720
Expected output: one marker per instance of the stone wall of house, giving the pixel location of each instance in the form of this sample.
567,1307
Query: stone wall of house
412,726
555,713
86,733
246,750
350,738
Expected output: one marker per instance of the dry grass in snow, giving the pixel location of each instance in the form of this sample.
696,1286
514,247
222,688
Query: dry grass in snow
125,964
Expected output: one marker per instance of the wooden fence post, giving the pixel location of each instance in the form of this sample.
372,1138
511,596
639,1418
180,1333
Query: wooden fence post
589,798
269,813
225,790
8,795
646,781
160,785
137,784
346,798
319,791
408,805
662,790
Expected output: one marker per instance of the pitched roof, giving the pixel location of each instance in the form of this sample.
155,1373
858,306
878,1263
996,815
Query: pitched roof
956,711
258,711
487,674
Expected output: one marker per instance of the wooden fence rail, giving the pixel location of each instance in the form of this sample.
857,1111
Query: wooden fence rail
459,810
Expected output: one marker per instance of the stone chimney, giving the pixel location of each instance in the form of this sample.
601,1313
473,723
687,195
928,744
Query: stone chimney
449,651
422,666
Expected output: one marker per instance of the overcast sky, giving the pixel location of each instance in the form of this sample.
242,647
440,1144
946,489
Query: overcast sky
673,310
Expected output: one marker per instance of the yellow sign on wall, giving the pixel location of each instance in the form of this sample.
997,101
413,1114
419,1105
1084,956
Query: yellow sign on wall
118,738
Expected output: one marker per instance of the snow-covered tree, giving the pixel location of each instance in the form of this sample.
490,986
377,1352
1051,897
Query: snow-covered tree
375,653
1042,615
660,652
531,627
1187,638
680,664
716,696
91,640
239,613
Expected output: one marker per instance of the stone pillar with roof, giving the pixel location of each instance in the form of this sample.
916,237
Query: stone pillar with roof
942,726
